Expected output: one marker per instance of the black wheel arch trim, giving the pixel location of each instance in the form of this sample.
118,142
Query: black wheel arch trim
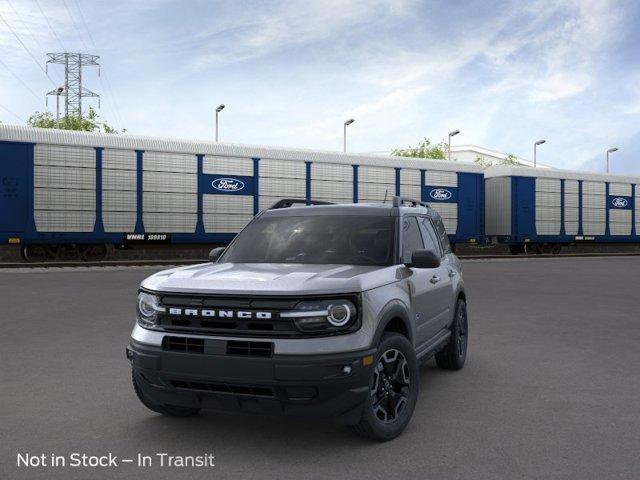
394,309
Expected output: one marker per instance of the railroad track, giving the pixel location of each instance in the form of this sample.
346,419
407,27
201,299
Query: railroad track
179,262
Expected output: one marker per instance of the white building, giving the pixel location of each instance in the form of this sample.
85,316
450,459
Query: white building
469,154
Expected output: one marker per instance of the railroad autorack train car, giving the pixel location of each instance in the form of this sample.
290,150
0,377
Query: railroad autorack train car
540,210
71,194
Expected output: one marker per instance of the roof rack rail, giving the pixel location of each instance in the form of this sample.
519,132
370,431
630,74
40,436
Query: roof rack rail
408,202
290,202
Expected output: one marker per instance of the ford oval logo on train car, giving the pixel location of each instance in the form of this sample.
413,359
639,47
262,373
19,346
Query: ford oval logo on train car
440,194
619,202
227,184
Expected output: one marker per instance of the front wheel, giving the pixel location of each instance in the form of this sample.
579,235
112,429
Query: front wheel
453,356
393,390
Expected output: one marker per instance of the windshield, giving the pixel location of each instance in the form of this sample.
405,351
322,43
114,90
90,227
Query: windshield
344,239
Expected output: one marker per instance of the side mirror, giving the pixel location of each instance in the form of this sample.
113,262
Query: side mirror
424,259
215,254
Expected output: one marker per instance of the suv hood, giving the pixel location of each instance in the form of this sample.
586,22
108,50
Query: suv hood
271,279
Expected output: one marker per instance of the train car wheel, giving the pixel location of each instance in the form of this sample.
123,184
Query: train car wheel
556,248
93,253
515,249
34,253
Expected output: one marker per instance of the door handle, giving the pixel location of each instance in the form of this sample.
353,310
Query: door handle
435,279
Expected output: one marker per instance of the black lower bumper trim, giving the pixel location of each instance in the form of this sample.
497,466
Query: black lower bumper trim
308,386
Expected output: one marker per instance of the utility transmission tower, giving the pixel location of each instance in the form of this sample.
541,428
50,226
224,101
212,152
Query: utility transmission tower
73,89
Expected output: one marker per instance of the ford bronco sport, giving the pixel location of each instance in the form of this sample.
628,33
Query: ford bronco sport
313,310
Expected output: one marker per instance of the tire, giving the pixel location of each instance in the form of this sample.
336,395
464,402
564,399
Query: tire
393,390
169,410
453,356
515,249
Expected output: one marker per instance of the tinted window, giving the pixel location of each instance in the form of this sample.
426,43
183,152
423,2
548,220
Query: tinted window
431,241
411,238
318,239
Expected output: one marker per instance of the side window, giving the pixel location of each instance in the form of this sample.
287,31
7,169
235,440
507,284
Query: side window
431,241
442,233
411,238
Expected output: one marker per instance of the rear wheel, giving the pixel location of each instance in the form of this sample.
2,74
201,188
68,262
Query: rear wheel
170,410
453,356
393,390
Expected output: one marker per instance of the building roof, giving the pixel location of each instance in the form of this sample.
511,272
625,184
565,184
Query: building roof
509,171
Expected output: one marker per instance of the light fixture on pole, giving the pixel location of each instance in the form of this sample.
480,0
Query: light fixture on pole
535,152
344,135
611,150
451,134
219,108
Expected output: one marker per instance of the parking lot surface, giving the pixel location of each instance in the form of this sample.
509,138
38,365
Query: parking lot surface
551,388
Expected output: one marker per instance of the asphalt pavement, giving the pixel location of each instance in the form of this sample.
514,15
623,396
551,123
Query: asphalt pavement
551,388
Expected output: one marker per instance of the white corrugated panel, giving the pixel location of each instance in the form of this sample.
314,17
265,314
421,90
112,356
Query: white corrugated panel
411,191
228,204
551,185
119,180
217,165
449,214
375,192
331,171
119,159
64,220
441,179
119,201
169,223
119,222
64,156
169,182
220,223
169,162
270,168
620,221
64,199
170,202
331,189
409,176
286,187
623,189
377,175
64,177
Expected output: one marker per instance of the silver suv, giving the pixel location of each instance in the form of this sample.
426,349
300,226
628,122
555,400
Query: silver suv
314,310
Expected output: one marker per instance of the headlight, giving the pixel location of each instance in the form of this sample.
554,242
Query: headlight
148,308
323,316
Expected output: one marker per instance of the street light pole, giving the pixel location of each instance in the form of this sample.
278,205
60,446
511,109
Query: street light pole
219,108
535,152
451,134
611,150
344,133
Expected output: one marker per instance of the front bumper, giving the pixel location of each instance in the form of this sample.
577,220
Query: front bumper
319,386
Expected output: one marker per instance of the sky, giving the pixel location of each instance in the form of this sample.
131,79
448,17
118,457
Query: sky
505,73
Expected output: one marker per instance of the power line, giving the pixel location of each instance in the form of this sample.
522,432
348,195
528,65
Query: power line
110,97
73,22
27,49
50,27
12,113
20,80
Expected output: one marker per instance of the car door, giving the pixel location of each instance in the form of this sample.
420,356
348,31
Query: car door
446,273
425,284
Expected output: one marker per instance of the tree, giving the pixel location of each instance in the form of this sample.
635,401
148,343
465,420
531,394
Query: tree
88,123
510,159
425,149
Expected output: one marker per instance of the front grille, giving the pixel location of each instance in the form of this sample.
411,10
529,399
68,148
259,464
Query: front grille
183,323
183,344
250,390
250,349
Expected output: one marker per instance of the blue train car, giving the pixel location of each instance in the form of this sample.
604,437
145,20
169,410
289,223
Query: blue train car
73,193
540,210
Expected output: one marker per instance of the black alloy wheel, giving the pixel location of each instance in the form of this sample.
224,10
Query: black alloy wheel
391,384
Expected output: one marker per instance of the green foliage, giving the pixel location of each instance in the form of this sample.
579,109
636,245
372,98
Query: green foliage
88,123
425,149
510,159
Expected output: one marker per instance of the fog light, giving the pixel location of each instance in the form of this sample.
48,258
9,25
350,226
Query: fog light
346,369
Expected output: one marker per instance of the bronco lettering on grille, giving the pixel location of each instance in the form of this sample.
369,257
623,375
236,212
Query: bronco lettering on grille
242,314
